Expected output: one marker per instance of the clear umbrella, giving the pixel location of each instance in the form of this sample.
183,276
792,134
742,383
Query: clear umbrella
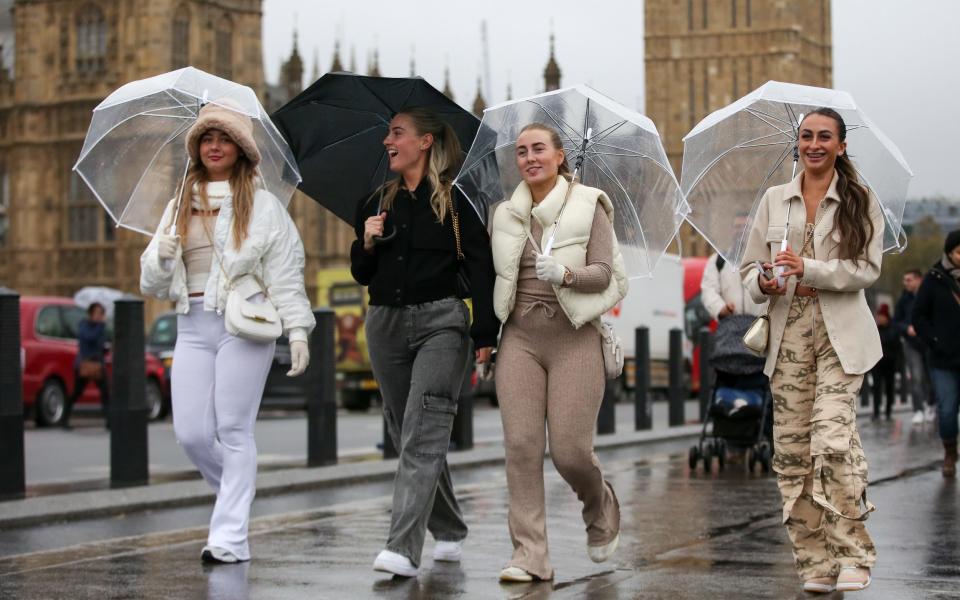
104,296
734,154
616,150
134,159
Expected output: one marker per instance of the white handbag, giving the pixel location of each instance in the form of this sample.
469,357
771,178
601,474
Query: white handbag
612,351
255,321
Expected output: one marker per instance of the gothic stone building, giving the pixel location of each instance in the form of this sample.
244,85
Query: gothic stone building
703,54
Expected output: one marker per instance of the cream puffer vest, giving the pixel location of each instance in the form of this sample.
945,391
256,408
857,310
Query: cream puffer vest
511,222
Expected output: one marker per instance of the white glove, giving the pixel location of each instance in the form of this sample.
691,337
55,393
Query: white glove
299,358
167,246
548,269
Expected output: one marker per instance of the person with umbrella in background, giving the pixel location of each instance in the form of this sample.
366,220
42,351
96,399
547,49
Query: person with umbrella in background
822,340
551,367
417,327
88,366
231,236
936,317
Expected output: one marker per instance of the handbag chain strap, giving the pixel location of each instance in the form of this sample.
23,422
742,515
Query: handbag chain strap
455,219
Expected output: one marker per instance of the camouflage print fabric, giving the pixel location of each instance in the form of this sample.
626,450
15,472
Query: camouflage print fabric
820,465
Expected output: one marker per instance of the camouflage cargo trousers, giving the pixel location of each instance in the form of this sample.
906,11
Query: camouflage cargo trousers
820,465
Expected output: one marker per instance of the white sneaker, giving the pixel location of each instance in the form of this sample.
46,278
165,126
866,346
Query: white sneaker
391,562
515,575
599,554
448,551
930,413
216,554
917,418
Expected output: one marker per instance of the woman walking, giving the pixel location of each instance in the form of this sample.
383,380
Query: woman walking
936,317
228,229
88,366
418,330
823,338
550,371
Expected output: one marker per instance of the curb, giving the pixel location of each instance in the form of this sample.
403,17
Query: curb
98,503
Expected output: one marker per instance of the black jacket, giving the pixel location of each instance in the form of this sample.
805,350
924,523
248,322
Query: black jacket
902,314
936,317
420,264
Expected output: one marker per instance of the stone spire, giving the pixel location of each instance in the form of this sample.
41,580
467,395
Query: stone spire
373,67
292,70
479,104
509,88
336,65
315,74
551,74
446,83
413,61
353,58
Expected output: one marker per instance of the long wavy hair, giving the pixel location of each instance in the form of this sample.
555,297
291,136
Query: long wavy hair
564,170
443,162
242,186
852,219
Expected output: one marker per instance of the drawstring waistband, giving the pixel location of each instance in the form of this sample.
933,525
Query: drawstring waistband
548,310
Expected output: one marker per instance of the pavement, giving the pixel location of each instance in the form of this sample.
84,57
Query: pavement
685,535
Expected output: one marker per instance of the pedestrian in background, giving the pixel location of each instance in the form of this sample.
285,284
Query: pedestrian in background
417,327
550,374
88,366
822,340
227,228
936,317
914,350
884,372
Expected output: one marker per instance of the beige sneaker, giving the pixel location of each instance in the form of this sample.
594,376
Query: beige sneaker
599,554
820,585
853,579
515,575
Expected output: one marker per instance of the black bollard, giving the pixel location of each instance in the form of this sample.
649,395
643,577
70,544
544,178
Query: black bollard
12,466
462,434
607,417
643,409
389,449
321,391
676,391
705,341
127,413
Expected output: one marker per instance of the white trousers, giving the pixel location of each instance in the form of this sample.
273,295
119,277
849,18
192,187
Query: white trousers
217,382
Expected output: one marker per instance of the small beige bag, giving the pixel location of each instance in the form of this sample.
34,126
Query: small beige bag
757,336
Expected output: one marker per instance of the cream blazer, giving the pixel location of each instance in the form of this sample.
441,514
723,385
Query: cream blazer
839,282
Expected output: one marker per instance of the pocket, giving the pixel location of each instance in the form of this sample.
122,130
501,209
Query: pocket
434,425
791,450
830,436
775,233
839,469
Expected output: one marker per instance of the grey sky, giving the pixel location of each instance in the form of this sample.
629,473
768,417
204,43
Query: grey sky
899,59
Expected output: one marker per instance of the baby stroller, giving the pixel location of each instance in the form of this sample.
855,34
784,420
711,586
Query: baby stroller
740,411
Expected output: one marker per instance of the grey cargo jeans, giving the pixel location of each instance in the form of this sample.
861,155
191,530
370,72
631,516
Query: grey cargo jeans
419,357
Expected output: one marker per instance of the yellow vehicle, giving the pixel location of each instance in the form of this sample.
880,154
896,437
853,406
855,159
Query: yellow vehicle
337,290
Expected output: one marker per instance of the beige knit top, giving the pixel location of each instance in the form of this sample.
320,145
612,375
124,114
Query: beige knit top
592,278
198,251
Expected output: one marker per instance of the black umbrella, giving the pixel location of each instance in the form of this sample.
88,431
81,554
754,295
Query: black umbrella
336,129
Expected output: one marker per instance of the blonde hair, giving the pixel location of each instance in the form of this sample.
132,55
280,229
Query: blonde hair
241,187
443,162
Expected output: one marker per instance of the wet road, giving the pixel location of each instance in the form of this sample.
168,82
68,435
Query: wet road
685,535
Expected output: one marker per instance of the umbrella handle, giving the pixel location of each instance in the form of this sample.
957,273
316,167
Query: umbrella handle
382,239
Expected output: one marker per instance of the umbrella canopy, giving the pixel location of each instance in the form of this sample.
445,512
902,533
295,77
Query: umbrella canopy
336,129
734,154
621,153
134,159
104,296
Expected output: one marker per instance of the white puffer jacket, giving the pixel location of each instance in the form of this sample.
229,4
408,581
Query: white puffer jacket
511,224
272,251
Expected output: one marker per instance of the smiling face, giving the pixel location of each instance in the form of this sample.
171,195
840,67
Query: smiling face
218,153
405,147
820,143
537,159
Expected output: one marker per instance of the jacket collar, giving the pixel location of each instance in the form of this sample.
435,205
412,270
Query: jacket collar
794,188
521,203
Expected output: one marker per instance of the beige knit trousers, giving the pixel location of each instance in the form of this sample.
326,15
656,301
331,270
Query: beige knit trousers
549,374
820,464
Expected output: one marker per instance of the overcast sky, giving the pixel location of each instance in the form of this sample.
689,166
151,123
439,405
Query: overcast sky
900,60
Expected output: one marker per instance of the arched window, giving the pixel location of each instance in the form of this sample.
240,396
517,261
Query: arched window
180,47
223,58
91,42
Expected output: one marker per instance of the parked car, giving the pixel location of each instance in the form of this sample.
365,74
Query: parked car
280,390
48,334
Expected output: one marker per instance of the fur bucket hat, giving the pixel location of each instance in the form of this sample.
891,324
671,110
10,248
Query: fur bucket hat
233,123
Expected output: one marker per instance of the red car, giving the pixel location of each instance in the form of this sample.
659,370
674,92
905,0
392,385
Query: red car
48,338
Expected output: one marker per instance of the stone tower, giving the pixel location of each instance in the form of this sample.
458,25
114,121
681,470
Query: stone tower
551,74
291,72
479,104
703,54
